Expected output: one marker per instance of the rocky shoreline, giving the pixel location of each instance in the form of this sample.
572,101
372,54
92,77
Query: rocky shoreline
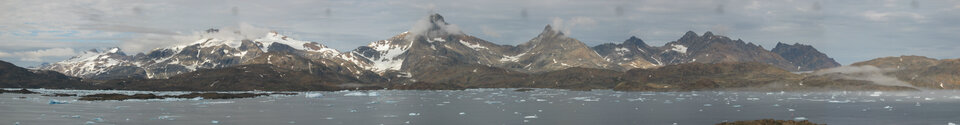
214,95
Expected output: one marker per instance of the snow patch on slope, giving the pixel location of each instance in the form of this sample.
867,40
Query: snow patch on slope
389,53
473,46
515,58
679,48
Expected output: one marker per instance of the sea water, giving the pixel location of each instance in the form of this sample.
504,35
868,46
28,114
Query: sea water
492,107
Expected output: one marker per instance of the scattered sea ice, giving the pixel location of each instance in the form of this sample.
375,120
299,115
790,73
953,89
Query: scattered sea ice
414,114
355,94
951,123
214,122
313,95
492,102
707,105
800,118
218,102
586,99
57,102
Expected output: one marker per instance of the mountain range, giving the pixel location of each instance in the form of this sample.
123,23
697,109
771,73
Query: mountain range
434,54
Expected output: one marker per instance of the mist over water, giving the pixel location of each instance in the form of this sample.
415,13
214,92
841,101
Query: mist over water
867,73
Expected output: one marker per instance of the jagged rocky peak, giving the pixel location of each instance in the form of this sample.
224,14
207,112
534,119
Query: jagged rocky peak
111,50
551,50
213,30
708,34
437,21
632,53
795,45
633,40
805,57
432,26
93,51
689,35
548,30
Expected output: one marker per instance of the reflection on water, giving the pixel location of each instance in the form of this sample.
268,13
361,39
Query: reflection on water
494,106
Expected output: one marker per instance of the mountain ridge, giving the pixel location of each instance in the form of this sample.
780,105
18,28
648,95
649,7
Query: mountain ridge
431,45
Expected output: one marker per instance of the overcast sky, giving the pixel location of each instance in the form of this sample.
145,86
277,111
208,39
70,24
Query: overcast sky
36,31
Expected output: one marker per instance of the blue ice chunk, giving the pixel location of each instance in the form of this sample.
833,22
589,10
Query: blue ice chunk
57,102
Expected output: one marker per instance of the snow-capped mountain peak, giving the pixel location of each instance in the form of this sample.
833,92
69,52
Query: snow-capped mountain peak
91,62
212,49
274,37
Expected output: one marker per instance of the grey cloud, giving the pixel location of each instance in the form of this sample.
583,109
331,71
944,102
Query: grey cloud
125,28
37,55
490,31
235,11
523,13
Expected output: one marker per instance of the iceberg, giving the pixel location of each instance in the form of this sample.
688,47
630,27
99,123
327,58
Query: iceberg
355,94
530,117
362,94
800,118
313,95
57,102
